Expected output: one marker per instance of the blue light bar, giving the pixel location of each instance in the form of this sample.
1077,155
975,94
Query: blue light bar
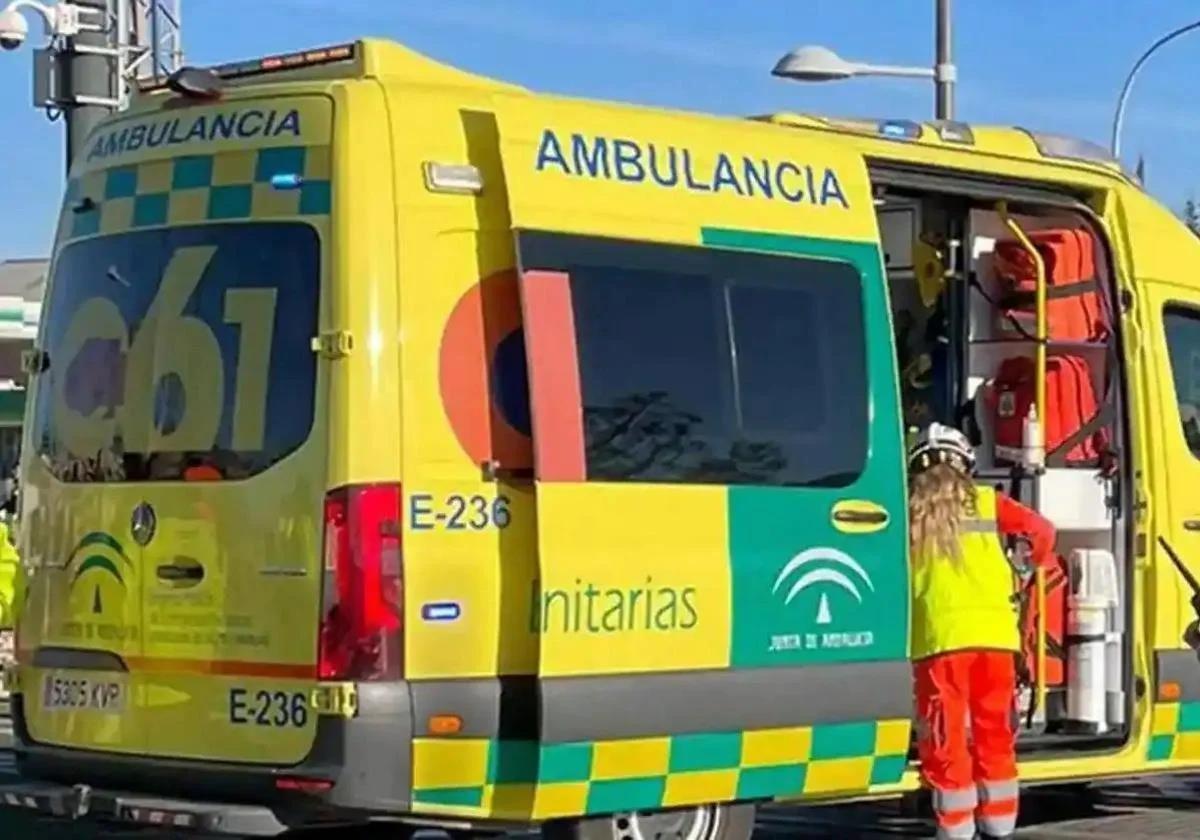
287,181
900,129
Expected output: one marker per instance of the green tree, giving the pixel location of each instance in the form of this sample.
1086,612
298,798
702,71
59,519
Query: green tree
1191,215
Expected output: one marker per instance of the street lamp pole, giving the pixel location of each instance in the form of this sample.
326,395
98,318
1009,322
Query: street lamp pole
1119,116
820,64
944,70
89,82
96,51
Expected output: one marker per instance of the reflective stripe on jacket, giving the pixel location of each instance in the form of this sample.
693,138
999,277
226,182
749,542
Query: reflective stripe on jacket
966,604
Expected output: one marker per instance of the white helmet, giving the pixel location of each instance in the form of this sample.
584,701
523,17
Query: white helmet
938,444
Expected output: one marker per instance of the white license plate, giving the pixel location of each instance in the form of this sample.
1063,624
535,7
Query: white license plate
64,691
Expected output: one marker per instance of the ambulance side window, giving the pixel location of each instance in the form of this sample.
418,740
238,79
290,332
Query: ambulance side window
1182,327
704,366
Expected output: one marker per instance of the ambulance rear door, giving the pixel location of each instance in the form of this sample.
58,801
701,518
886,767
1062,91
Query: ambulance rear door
718,448
176,462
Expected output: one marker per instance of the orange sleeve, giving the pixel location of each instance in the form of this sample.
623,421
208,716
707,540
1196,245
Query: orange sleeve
1012,517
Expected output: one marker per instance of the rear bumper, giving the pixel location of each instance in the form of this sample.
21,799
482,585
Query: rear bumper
366,757
84,803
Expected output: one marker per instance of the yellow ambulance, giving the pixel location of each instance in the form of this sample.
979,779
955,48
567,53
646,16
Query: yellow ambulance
406,445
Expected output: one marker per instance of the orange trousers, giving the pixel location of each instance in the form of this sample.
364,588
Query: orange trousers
967,741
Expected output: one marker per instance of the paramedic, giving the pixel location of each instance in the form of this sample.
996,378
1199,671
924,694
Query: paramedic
12,581
965,634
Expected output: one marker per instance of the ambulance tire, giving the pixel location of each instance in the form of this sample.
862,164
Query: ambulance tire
704,822
916,804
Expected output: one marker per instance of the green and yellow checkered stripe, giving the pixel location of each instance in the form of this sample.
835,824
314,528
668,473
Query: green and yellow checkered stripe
190,189
1175,732
525,779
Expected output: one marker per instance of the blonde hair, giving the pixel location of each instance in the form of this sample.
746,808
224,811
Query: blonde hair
938,499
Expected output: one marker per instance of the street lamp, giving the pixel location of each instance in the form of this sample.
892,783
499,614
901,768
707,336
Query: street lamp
820,64
1119,116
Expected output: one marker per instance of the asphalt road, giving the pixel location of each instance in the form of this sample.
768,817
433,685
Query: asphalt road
1128,810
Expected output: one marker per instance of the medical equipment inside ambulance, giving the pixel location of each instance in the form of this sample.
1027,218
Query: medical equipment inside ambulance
1003,320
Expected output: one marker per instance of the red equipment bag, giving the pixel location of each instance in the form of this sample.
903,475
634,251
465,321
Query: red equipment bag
1056,625
1074,422
1074,309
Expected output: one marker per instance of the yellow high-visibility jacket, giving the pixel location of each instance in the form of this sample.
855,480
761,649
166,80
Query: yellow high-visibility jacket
968,604
12,581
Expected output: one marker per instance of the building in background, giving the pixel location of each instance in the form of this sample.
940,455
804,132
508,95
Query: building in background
22,284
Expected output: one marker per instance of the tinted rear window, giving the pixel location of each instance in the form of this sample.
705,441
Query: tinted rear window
704,366
179,350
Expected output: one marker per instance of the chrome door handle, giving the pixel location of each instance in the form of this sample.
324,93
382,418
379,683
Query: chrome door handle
860,517
183,570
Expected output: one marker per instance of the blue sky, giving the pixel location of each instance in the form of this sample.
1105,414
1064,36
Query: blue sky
1053,66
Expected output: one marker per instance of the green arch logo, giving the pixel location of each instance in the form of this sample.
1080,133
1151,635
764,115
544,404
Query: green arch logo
102,553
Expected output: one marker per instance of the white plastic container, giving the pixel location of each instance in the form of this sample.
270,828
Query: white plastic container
1093,575
1087,701
1032,446
1091,644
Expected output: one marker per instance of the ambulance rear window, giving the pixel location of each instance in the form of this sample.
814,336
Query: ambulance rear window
179,352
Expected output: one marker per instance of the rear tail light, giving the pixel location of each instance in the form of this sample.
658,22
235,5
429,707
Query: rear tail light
301,784
362,623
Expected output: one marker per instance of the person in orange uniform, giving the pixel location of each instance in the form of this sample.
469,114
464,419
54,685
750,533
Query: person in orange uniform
965,634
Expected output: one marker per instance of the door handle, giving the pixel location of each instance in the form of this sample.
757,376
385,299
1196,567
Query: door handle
182,571
856,516
1191,524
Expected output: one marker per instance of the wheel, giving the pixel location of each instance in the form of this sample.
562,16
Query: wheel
704,822
916,804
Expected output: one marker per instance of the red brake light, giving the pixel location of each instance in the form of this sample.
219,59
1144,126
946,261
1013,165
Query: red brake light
303,785
362,625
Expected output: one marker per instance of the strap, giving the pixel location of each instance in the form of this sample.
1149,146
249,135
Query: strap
1025,676
1022,300
1057,457
999,307
978,526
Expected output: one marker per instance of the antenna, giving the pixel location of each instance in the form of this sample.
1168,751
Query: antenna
155,39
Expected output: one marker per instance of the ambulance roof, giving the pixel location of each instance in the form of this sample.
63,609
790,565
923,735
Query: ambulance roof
885,138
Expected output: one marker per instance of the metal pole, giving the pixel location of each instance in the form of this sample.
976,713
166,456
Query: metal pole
944,71
1119,116
90,76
